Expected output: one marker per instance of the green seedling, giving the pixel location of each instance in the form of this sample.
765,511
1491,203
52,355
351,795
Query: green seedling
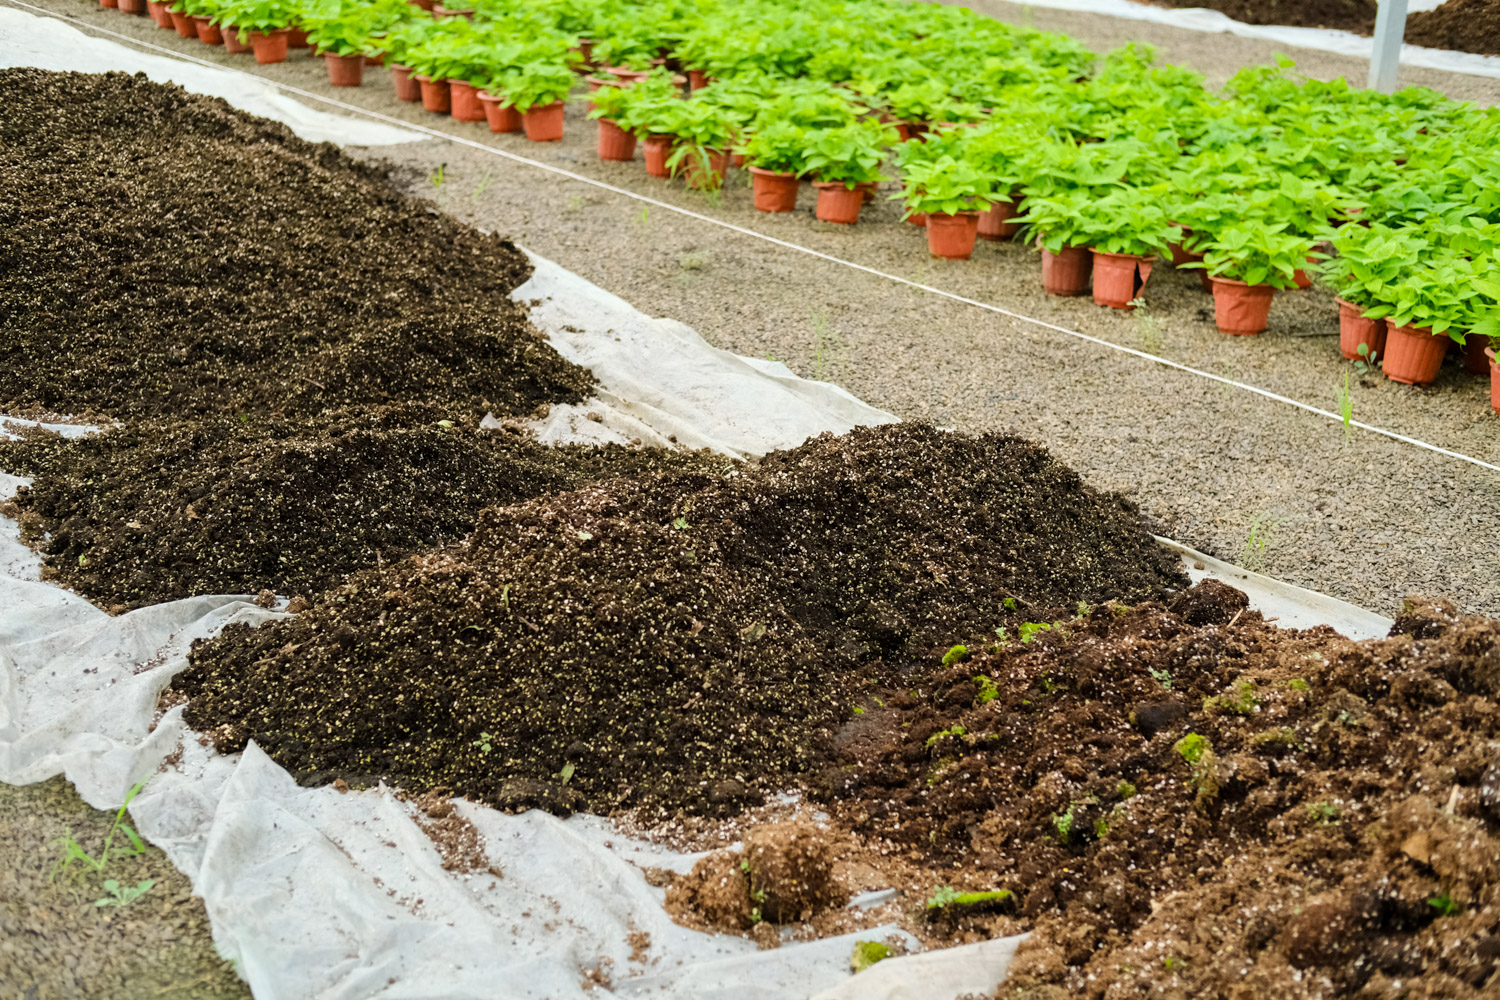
1445,905
955,654
72,851
954,731
866,954
1323,813
124,895
1368,361
1162,677
1029,630
681,524
1063,824
566,774
1262,528
987,690
1192,747
1125,790
483,743
645,216
1298,684
438,175
1009,604
1003,636
484,182
1200,757
858,710
1281,736
1346,405
1083,609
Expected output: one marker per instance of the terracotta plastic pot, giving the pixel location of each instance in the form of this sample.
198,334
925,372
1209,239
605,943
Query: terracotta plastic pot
1413,354
463,101
703,176
1119,278
378,60
917,219
1494,379
424,4
183,23
108,3
773,190
615,144
626,76
995,224
1066,273
435,95
133,6
158,12
501,116
232,43
208,33
345,71
951,236
737,160
296,38
1474,357
656,149
867,191
1355,329
269,47
697,79
407,87
440,12
544,124
837,202
1239,308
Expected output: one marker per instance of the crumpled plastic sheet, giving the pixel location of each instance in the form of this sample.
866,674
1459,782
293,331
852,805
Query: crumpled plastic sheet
48,43
1344,43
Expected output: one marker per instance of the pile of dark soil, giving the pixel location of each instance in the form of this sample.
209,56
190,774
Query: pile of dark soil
674,642
1461,25
1185,801
1349,15
297,354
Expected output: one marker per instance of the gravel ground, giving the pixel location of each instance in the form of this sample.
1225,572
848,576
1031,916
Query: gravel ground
55,944
1361,517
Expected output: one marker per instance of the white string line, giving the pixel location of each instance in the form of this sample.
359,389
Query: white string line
496,151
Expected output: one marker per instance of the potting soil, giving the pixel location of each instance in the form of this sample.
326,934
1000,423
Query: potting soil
1357,16
670,642
1185,801
1469,25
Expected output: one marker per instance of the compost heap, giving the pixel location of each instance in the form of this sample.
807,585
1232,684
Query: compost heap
1185,801
1462,25
1349,15
292,357
677,641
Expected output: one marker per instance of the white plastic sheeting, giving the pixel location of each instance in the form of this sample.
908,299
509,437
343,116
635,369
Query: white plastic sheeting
1344,43
47,43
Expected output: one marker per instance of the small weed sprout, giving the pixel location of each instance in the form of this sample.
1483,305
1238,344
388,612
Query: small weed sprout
567,772
438,175
1262,527
484,182
1367,362
858,710
1029,630
1003,636
954,731
1346,405
73,851
1147,326
681,524
645,217
483,743
1445,905
1298,684
1083,609
1323,813
1162,677
1009,604
1064,825
1125,790
1192,747
123,895
1199,755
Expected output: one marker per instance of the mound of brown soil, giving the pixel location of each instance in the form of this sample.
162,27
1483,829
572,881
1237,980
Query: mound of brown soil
1186,801
1349,15
165,254
1461,25
683,641
784,874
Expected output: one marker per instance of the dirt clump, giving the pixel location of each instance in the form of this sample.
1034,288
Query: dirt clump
667,642
784,874
1357,16
1309,819
1458,25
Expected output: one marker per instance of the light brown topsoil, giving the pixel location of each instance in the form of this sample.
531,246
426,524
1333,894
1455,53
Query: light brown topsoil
1185,801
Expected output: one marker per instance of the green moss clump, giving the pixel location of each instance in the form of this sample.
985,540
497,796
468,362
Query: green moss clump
867,953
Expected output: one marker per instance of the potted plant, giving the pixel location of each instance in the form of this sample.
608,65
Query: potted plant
842,159
777,157
1364,261
608,106
1067,264
1125,229
1426,307
343,39
538,90
942,182
398,44
700,135
202,13
1247,261
265,25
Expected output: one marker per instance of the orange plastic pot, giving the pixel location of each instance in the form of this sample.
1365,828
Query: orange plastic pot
269,46
345,71
615,144
407,87
1239,308
1475,360
837,202
133,6
501,116
378,60
1355,329
424,4
108,3
296,38
463,101
773,190
737,160
1066,273
995,224
697,79
1119,278
232,43
1413,354
435,95
951,236
1494,379
867,191
439,12
183,23
544,124
626,76
657,148
159,13
208,33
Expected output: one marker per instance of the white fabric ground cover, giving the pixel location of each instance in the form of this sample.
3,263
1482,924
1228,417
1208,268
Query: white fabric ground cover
1344,43
315,894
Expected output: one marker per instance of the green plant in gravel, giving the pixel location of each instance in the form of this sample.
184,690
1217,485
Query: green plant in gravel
118,895
1343,395
1445,905
72,851
849,154
1258,540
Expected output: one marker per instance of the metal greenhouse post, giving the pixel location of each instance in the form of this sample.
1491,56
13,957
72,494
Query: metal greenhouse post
1385,55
